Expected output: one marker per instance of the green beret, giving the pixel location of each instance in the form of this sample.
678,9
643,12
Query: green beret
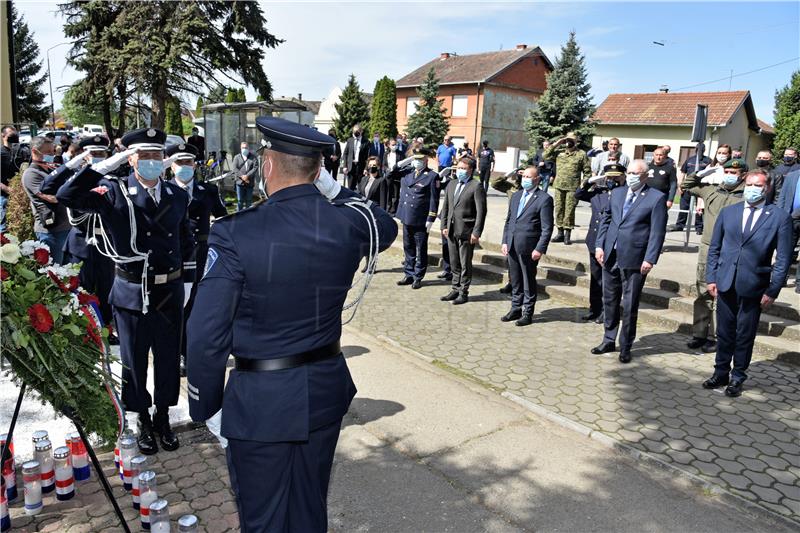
737,164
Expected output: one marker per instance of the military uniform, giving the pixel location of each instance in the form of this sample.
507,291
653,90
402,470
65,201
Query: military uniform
416,210
272,294
147,294
572,168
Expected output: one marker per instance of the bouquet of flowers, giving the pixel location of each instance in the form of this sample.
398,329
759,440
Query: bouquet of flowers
53,337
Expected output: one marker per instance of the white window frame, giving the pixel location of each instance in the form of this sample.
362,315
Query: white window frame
410,107
457,111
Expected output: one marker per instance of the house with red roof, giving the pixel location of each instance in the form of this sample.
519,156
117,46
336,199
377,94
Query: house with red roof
644,121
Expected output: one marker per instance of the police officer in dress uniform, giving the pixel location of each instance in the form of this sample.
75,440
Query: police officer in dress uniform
146,218
419,201
272,294
204,202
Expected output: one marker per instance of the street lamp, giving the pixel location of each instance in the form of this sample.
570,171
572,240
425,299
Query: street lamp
50,81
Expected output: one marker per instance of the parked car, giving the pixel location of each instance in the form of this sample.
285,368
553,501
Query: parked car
89,130
25,136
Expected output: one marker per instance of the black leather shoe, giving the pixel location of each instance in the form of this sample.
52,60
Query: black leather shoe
559,236
416,284
505,289
600,320
525,320
715,382
168,439
445,275
113,339
625,357
675,227
696,342
568,237
408,280
462,299
734,389
147,438
709,347
589,316
511,315
604,348
452,295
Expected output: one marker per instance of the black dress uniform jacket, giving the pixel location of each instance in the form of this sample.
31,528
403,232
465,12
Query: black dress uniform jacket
419,196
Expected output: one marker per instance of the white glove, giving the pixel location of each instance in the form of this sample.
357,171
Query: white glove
214,425
405,162
595,179
428,226
187,292
714,178
168,161
77,161
706,171
328,186
113,163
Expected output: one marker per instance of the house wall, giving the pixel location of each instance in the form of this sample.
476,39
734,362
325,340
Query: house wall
465,126
323,120
529,73
503,119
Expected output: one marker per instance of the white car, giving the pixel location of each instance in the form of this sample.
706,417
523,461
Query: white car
90,130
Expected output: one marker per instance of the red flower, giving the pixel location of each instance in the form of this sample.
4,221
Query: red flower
3,239
74,281
4,275
41,256
57,281
40,317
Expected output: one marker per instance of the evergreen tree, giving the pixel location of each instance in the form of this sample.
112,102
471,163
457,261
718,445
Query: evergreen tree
231,96
566,104
242,95
217,94
173,124
30,97
383,120
198,108
787,117
429,121
351,110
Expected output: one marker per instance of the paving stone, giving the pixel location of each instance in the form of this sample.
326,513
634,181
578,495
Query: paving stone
767,494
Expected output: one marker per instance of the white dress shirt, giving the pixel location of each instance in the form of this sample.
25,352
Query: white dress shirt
759,209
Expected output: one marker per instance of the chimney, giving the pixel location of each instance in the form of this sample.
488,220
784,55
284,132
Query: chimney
522,46
443,56
664,89
299,96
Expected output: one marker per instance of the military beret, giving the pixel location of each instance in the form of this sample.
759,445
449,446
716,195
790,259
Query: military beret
182,150
95,142
737,164
145,139
292,138
614,169
421,152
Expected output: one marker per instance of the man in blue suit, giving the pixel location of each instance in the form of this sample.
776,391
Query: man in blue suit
742,278
789,201
627,246
272,295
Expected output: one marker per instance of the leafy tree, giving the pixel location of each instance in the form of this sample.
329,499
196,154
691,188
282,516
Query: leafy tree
198,109
28,66
217,94
566,104
351,110
173,124
787,117
383,120
78,107
429,121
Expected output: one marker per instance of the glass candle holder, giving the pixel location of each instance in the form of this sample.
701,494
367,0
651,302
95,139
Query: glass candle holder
32,478
127,449
39,435
138,465
148,493
159,516
8,470
43,452
127,432
5,519
80,459
65,479
188,523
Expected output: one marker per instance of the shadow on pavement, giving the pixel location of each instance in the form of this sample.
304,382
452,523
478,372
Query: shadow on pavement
365,410
354,351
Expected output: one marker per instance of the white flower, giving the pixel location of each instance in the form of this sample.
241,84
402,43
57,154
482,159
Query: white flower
12,238
62,271
26,248
73,306
9,253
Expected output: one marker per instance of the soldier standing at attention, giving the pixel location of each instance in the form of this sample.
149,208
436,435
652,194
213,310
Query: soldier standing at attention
572,168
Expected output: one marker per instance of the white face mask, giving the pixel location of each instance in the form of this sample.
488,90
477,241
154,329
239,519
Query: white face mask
418,164
722,158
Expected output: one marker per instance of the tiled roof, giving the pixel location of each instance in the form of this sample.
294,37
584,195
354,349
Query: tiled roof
469,68
766,128
669,108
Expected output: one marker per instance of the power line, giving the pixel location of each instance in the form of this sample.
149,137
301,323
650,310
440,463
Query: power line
737,75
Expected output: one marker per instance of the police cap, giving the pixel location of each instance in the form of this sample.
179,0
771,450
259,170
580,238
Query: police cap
182,151
737,164
613,170
421,152
292,138
95,143
145,139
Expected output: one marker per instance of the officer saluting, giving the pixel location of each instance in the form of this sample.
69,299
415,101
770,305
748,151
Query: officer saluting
146,231
204,202
419,202
272,295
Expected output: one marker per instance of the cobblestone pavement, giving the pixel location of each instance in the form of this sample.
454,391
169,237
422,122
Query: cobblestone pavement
748,445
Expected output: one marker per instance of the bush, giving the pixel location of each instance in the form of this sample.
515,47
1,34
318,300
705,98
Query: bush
19,215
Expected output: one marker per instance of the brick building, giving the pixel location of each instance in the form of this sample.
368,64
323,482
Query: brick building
486,96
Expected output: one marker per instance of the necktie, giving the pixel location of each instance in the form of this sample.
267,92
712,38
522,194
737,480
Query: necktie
748,226
152,192
459,188
628,203
522,203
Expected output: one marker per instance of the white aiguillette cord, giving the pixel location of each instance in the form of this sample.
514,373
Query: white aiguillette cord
362,207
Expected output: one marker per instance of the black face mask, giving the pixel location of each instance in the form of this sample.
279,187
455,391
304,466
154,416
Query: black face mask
13,138
762,163
357,134
373,170
570,144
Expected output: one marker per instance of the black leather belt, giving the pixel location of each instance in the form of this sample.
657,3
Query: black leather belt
155,279
291,361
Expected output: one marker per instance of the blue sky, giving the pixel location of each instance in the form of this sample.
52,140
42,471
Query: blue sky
325,42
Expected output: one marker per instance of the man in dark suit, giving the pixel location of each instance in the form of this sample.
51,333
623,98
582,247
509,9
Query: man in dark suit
377,148
742,278
628,245
354,158
463,215
789,201
529,225
332,155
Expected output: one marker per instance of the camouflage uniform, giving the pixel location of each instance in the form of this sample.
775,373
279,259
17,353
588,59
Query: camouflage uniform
569,168
504,184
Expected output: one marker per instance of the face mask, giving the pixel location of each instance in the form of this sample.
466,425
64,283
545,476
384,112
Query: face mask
183,173
611,184
462,175
788,159
730,180
356,134
96,160
261,188
527,183
149,169
13,139
633,180
762,163
245,151
721,158
753,194
392,147
570,145
376,139
373,170
48,158
418,164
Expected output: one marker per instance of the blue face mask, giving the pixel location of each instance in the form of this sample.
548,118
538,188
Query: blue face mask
48,158
418,164
66,157
527,183
788,159
633,180
245,151
730,180
96,160
611,184
462,175
149,169
183,173
753,194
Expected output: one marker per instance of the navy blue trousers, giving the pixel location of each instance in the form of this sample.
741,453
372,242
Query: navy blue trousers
621,286
160,330
283,486
737,325
415,246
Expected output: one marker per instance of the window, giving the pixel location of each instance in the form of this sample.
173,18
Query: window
411,105
459,105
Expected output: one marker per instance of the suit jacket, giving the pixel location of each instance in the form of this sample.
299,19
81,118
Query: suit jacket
745,264
638,236
350,158
335,150
419,196
467,215
786,197
248,167
599,200
380,152
531,230
378,193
